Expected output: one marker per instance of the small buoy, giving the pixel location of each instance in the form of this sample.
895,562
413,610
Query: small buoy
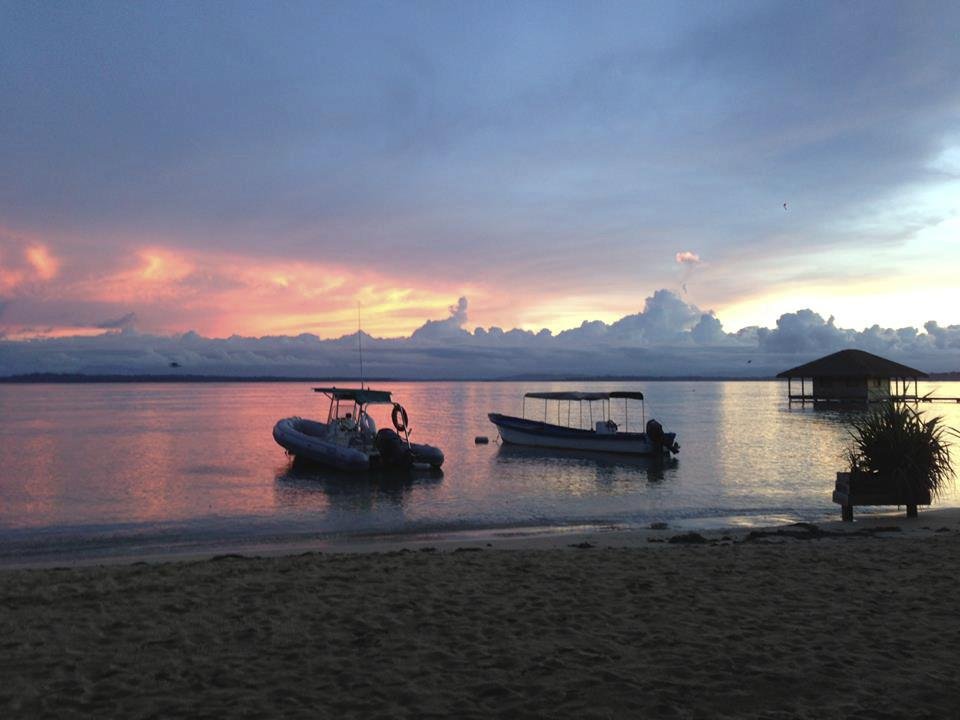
481,439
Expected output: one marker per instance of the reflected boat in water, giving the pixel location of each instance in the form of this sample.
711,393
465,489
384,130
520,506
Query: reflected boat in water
603,437
652,468
307,484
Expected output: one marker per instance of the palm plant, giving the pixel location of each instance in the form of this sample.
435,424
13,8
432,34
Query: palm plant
895,444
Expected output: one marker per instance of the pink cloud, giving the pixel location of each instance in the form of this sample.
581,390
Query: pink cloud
218,294
688,258
24,261
44,264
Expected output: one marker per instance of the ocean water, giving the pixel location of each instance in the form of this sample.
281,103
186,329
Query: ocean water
99,470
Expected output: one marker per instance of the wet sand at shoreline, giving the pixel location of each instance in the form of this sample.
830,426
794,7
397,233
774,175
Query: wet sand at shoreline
793,622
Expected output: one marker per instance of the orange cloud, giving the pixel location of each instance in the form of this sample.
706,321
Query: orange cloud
163,266
150,275
45,333
10,279
220,294
24,260
174,289
44,264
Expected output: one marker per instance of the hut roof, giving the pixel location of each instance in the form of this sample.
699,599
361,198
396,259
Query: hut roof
852,363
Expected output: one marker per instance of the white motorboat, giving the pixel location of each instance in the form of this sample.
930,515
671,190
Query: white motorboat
601,435
349,439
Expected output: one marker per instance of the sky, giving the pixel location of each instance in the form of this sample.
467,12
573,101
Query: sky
267,174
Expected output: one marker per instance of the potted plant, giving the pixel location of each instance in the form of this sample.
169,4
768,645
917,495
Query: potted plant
897,457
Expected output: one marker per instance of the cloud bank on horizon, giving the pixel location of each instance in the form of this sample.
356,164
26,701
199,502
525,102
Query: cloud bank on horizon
668,338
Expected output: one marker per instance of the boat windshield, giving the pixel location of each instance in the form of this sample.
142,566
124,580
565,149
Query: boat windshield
349,404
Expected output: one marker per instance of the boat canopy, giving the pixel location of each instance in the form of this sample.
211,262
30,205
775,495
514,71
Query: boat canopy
627,395
568,395
361,396
585,395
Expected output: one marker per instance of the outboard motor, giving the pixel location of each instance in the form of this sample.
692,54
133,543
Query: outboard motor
393,449
660,438
655,433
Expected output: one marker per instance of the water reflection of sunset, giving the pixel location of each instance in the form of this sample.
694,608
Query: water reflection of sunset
202,456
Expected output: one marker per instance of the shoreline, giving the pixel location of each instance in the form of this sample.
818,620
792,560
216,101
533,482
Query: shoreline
520,537
834,620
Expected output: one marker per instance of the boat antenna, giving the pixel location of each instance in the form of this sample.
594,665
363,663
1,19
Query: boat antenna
360,344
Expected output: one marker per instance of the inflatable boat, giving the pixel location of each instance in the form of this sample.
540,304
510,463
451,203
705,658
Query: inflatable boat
349,439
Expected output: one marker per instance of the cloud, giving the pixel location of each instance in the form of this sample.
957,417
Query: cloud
458,312
803,331
24,263
665,318
709,331
214,292
44,264
943,337
351,133
669,337
556,168
450,328
125,323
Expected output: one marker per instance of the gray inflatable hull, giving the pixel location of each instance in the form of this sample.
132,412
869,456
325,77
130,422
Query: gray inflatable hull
304,438
300,437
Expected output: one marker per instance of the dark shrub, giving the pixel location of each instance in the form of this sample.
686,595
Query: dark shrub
894,444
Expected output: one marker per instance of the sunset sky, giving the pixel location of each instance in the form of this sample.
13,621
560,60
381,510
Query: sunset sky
264,169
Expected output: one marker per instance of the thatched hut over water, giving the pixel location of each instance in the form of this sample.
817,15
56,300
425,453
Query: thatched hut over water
852,376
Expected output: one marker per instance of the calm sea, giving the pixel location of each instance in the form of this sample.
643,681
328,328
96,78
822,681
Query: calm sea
136,469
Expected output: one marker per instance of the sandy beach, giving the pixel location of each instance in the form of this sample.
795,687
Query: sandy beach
855,621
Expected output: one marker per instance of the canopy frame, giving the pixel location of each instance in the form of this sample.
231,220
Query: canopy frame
587,397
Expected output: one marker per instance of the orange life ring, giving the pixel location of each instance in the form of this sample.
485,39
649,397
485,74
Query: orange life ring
399,417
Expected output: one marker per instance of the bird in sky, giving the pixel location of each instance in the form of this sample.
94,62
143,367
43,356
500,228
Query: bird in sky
784,206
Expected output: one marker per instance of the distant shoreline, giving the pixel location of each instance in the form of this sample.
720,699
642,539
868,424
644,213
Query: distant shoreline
81,378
